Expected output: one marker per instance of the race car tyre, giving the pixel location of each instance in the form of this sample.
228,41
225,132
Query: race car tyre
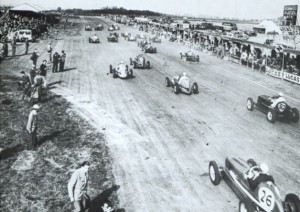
167,82
130,74
110,69
198,58
271,116
148,64
251,162
214,173
155,50
126,67
131,61
134,64
115,74
296,115
250,104
292,202
180,55
245,206
195,88
176,89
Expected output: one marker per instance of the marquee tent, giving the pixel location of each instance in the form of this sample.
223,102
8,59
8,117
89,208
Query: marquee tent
267,26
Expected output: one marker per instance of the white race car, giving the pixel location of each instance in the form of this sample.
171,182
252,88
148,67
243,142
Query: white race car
182,84
122,71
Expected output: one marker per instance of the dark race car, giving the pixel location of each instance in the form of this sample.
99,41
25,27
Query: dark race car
172,39
179,88
190,56
88,28
99,27
140,62
113,37
281,111
264,197
155,40
94,39
149,49
122,71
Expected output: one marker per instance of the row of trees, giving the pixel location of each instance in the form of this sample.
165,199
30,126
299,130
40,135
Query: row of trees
110,10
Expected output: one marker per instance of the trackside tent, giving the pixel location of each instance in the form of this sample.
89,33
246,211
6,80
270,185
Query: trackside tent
267,26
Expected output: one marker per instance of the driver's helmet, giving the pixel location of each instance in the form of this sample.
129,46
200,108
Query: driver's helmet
122,62
264,168
183,74
280,94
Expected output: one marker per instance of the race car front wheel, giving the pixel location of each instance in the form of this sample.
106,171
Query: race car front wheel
245,206
250,104
214,173
195,88
148,64
271,116
292,203
167,82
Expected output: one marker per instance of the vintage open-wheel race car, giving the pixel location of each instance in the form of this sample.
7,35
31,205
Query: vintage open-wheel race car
282,111
265,197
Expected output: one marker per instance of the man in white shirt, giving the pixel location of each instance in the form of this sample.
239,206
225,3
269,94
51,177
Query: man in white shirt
77,188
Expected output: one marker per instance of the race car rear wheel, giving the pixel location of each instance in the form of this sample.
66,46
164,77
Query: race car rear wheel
134,64
296,115
176,89
130,74
292,203
214,173
115,74
180,55
148,64
250,104
131,61
271,116
198,58
245,206
195,88
110,69
167,82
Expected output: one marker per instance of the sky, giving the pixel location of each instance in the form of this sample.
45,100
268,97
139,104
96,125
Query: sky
243,9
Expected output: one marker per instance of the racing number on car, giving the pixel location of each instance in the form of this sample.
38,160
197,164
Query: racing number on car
266,198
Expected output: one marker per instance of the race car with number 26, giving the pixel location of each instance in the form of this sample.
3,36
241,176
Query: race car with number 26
265,197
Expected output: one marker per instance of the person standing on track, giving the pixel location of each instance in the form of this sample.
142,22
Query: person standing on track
26,46
32,125
49,50
56,58
62,61
14,46
77,188
34,57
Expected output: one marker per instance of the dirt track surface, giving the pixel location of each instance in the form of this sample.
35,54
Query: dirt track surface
162,143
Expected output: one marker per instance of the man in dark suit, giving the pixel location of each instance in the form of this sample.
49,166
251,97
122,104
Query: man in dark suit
56,58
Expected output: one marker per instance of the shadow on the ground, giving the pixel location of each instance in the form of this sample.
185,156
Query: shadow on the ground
9,152
54,83
68,69
50,98
102,198
50,136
